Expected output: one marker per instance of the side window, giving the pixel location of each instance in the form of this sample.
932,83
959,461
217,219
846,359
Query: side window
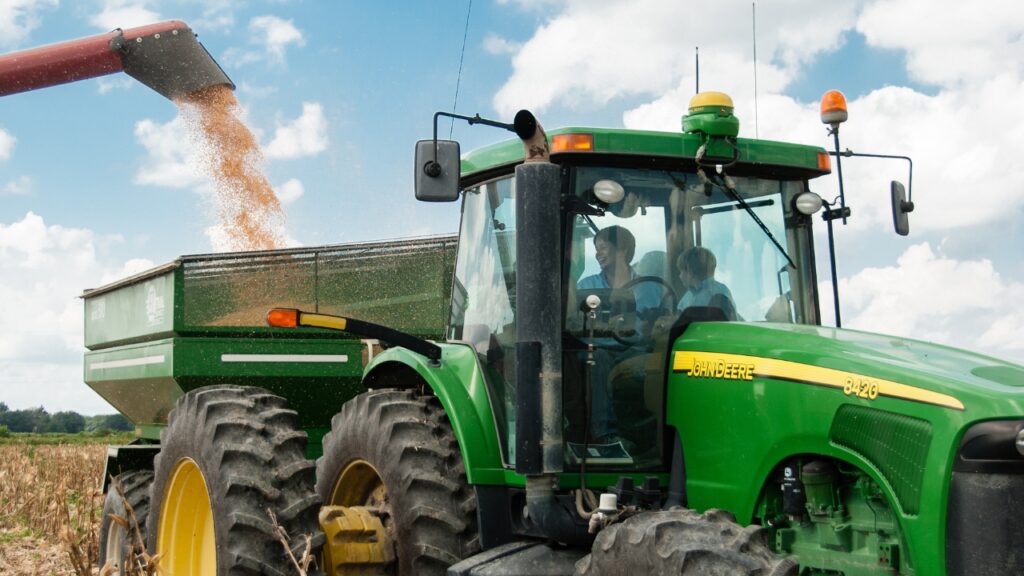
483,302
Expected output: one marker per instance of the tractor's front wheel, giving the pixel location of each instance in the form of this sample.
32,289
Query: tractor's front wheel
394,488
121,531
230,456
683,542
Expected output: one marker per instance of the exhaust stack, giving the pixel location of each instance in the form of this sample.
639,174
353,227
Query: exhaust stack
166,56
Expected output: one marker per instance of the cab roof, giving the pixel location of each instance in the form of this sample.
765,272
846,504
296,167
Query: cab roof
762,157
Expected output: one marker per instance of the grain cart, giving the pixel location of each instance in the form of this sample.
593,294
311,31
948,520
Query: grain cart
452,421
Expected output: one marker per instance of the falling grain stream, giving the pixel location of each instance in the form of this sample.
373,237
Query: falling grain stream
248,211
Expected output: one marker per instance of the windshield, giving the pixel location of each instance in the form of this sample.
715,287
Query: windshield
703,243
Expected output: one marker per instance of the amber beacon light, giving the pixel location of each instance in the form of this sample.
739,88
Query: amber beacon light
833,108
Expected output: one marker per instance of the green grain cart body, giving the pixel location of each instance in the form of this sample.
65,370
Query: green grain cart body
201,320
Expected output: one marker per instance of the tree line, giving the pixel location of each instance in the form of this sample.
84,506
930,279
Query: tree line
39,420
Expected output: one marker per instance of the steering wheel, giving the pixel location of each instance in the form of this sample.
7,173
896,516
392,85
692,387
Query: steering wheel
623,331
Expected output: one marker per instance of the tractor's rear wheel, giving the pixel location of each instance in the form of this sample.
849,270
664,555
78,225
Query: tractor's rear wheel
684,542
230,456
394,488
120,543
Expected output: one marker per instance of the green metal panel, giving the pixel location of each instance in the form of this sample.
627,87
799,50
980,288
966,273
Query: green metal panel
144,380
137,379
760,421
142,310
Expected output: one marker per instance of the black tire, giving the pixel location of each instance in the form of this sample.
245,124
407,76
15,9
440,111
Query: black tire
244,442
118,545
430,511
683,542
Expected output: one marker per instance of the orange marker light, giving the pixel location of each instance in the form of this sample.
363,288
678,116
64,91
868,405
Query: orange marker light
833,107
283,317
572,143
824,162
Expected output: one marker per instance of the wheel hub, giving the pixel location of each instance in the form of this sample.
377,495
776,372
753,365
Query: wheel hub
355,524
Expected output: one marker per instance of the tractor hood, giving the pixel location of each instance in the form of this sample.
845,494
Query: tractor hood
917,371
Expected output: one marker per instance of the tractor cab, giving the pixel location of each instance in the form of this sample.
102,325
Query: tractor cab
652,224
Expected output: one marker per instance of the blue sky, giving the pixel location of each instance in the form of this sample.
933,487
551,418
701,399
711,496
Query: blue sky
96,181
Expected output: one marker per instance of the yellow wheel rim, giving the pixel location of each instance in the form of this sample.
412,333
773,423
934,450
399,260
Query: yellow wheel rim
353,522
185,540
359,484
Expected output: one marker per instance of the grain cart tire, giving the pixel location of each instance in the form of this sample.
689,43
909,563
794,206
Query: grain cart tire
116,542
392,455
683,542
230,456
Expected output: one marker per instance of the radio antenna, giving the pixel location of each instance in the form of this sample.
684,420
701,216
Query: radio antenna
696,58
753,8
462,55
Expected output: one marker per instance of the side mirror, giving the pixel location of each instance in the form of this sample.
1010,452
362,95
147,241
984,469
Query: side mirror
900,208
437,176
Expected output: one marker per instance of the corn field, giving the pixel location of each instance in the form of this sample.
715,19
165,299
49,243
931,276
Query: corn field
50,505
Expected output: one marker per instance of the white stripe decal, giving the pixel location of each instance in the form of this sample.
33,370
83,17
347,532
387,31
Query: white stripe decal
326,358
127,363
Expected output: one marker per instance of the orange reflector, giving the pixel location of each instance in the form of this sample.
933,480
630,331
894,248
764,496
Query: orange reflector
283,317
572,143
824,162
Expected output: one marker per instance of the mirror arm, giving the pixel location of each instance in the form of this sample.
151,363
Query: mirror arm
433,169
910,177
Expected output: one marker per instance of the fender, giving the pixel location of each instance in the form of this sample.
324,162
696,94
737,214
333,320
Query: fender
458,383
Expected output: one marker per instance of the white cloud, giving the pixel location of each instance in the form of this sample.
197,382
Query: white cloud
20,186
494,44
173,157
304,136
591,53
43,269
290,191
961,42
903,300
274,35
124,14
18,18
7,141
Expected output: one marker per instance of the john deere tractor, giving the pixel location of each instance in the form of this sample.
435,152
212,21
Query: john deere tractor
617,366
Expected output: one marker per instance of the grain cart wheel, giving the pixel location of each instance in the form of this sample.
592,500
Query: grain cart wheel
229,455
394,488
118,544
684,542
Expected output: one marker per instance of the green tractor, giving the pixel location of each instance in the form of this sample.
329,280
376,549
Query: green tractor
618,366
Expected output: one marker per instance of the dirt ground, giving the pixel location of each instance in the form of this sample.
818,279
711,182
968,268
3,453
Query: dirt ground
23,555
